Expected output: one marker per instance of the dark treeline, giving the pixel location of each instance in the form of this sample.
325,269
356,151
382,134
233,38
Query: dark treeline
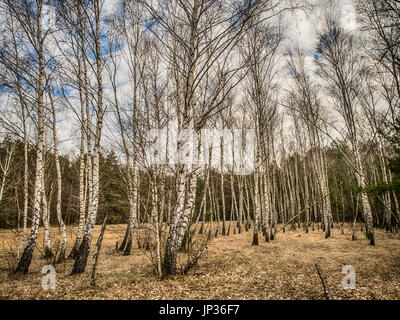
344,191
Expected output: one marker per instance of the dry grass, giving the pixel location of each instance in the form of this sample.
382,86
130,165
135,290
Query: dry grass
231,269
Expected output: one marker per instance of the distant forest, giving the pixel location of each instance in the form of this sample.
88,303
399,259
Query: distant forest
288,183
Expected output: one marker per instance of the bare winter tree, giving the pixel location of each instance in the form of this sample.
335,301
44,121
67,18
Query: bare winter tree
340,67
380,19
305,102
128,26
202,33
74,70
28,16
80,263
260,48
16,72
63,231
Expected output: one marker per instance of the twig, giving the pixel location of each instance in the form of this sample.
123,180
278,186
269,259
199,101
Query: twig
192,263
97,252
390,210
304,210
324,283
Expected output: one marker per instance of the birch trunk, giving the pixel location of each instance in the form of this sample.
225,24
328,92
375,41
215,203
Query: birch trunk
248,218
80,262
274,212
386,196
222,187
26,191
234,209
306,197
24,109
257,208
26,257
132,223
324,190
395,202
328,197
59,183
180,222
82,186
155,220
297,186
85,191
366,208
97,252
131,169
186,183
48,253
267,200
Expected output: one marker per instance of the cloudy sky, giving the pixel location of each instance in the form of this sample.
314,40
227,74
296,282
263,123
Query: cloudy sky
302,32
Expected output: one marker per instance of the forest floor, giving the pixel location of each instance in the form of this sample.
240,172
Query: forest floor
230,269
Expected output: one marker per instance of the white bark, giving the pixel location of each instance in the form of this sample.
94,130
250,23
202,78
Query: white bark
364,196
59,183
26,257
80,262
48,253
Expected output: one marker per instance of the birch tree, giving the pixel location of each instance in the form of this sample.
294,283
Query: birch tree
340,68
29,18
81,260
305,102
63,231
203,33
129,25
260,48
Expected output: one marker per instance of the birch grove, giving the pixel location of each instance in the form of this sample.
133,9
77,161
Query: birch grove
189,120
